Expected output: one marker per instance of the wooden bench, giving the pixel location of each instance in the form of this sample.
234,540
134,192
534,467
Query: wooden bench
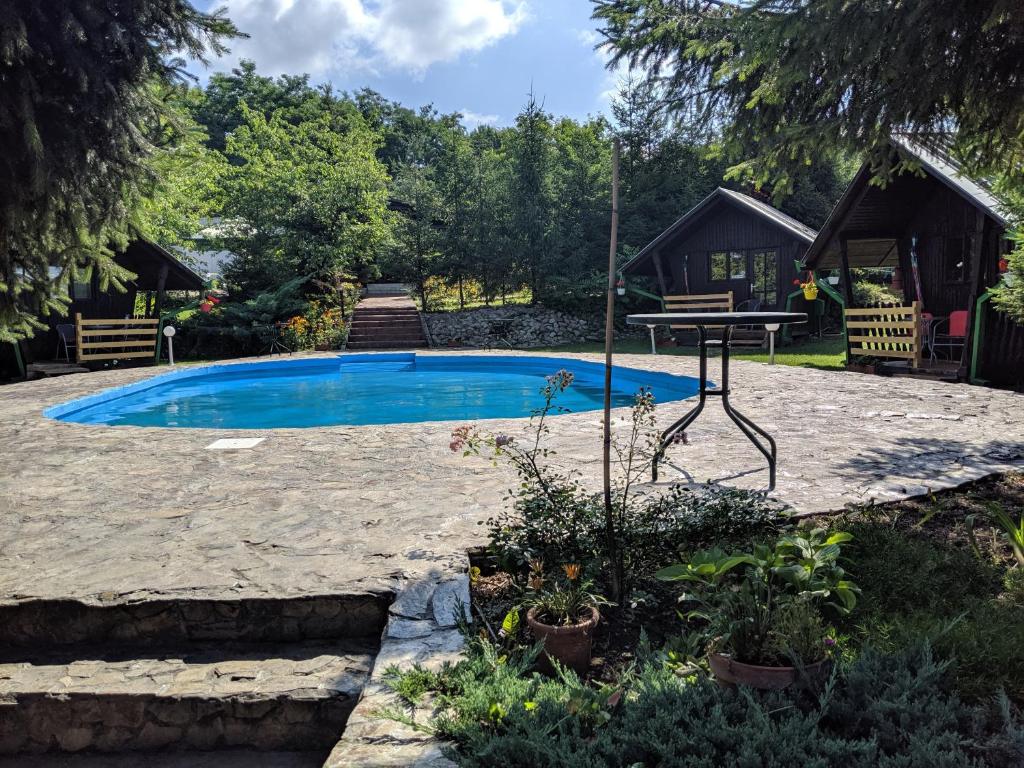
885,332
116,339
698,302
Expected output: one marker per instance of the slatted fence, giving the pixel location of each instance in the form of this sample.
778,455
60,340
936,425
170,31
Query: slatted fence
698,302
886,332
115,339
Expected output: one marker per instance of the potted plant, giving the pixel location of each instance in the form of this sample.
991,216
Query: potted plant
766,611
562,614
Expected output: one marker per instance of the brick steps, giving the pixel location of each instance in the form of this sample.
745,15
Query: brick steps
386,322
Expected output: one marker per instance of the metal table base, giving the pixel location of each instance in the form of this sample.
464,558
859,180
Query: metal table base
748,427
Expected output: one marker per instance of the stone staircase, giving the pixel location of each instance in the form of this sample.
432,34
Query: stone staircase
183,683
386,322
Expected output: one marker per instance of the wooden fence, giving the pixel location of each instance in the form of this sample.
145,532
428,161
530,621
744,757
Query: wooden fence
102,339
886,332
698,302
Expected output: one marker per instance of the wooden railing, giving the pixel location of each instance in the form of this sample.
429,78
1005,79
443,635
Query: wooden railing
698,302
886,332
102,339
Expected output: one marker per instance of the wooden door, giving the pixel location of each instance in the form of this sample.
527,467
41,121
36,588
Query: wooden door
763,271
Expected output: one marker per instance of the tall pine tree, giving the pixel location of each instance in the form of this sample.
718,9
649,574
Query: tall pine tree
75,120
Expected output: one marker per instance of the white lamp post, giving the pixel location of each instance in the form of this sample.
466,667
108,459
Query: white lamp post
169,335
771,328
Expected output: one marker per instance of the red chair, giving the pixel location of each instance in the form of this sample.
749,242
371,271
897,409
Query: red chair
955,335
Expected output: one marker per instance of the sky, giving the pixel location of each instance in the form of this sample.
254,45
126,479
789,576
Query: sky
477,57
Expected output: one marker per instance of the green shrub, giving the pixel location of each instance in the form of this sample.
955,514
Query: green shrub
893,711
900,572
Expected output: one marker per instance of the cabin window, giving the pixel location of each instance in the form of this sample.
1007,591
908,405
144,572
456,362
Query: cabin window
719,268
764,282
955,259
81,290
737,265
727,265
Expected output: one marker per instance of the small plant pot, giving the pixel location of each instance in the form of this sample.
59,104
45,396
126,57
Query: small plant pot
570,646
728,671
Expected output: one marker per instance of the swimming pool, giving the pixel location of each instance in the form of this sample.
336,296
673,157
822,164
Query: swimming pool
358,389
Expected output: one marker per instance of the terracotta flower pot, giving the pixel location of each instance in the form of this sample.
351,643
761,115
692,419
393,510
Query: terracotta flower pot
570,645
729,671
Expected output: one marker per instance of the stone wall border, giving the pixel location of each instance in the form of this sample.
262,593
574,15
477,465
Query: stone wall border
421,629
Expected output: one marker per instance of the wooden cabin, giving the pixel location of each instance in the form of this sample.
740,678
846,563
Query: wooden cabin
944,232
727,242
157,272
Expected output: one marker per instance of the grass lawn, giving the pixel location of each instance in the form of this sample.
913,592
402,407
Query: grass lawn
826,354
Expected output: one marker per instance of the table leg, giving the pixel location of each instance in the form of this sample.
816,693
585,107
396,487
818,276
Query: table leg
746,425
669,435
744,422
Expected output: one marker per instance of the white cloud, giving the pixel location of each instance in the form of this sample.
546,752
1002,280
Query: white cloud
472,119
320,36
588,37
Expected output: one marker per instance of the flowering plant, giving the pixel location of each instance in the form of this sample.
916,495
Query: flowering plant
316,328
562,600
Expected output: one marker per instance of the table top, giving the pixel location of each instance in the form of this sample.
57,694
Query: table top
718,318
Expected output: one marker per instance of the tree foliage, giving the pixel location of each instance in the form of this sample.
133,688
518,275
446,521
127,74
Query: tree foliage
77,115
783,82
306,198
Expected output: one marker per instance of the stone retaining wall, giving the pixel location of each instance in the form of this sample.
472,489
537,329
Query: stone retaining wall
518,327
421,630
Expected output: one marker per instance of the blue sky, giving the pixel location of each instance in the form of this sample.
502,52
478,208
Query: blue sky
478,57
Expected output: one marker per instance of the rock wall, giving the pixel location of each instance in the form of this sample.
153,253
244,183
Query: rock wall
518,327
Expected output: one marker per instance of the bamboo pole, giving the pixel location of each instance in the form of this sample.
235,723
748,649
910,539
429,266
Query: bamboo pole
609,328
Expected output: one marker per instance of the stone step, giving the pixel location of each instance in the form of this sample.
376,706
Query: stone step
388,335
388,322
227,758
255,696
386,345
46,624
404,311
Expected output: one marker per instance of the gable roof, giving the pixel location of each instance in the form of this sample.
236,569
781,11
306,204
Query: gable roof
145,258
934,154
760,209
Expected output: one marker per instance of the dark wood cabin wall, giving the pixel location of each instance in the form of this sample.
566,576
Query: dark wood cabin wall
1001,359
944,217
726,229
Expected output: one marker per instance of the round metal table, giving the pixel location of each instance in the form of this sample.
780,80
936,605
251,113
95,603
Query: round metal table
727,321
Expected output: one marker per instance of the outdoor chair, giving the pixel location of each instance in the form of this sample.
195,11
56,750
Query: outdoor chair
65,339
954,337
748,305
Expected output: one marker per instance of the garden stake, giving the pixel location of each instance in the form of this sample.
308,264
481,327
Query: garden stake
609,328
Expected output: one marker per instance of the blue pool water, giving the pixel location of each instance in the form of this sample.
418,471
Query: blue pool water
360,389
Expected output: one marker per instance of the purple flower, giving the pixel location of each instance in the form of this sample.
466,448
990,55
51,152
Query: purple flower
502,440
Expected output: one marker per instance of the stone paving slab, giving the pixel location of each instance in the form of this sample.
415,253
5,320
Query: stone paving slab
124,514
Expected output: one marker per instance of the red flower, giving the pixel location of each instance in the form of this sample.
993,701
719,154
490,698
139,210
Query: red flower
796,281
1004,266
205,307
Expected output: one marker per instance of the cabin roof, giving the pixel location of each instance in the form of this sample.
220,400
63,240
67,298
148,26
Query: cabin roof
877,216
762,210
145,259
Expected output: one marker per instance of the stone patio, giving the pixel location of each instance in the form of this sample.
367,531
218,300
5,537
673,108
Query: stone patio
107,515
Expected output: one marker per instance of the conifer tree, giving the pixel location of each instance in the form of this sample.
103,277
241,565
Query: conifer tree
76,115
